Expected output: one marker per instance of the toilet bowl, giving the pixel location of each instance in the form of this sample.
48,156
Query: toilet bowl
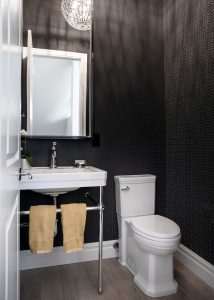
146,241
158,233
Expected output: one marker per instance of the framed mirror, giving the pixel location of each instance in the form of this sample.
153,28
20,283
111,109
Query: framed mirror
56,103
57,90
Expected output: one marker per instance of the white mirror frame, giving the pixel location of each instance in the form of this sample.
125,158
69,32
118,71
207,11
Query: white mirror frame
28,54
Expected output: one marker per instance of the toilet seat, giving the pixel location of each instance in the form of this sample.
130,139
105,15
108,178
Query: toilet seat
156,228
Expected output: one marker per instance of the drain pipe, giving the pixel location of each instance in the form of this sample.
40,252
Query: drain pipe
56,227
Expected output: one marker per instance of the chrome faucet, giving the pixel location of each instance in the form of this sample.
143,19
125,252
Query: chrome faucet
53,156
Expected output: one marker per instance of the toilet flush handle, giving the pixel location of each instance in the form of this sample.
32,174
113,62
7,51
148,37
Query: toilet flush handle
126,188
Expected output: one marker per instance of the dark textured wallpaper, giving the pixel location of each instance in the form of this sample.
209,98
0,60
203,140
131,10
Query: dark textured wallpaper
189,100
128,100
49,28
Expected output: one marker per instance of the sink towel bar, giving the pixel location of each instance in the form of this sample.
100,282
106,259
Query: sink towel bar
100,208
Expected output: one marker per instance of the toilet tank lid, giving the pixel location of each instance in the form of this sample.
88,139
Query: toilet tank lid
135,178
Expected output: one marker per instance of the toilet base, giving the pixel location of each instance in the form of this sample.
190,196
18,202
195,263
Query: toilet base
155,275
157,291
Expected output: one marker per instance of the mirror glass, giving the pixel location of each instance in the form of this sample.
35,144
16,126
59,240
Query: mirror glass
57,91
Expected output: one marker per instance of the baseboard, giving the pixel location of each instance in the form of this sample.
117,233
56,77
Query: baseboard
58,257
196,264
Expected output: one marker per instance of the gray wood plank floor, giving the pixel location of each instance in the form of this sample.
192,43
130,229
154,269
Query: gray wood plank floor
79,282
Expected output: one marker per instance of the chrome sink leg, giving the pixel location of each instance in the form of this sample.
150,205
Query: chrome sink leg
100,288
56,227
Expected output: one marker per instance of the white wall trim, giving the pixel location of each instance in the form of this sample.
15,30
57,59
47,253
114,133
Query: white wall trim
196,264
58,257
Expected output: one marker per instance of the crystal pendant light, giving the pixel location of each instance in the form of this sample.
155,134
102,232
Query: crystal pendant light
77,13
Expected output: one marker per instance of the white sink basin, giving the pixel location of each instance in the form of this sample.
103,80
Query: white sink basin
62,179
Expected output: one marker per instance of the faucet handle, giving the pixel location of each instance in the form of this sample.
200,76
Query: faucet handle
54,145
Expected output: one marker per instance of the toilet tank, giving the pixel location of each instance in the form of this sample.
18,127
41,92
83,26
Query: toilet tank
135,195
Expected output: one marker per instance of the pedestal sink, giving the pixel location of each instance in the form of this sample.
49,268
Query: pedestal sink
61,180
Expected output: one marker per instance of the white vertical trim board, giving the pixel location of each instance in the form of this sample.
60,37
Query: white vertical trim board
58,257
196,264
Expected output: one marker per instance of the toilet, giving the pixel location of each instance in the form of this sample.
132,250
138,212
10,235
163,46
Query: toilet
146,241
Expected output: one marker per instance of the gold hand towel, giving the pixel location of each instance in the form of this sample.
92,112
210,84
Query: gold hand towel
41,229
73,224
